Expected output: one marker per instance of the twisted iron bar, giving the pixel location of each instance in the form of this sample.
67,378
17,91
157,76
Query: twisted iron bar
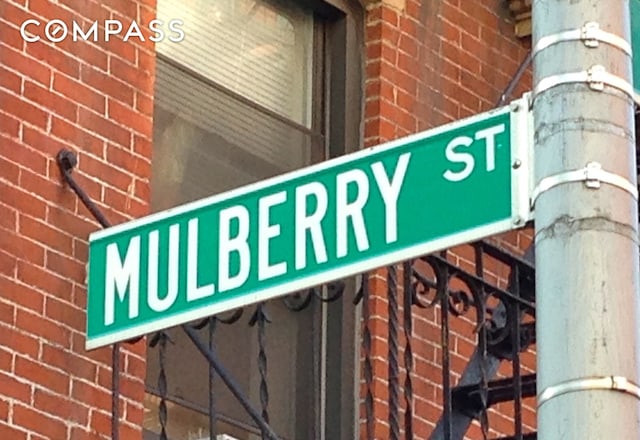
211,324
408,351
496,339
115,391
368,367
393,384
260,319
442,277
262,365
481,328
160,340
514,318
213,431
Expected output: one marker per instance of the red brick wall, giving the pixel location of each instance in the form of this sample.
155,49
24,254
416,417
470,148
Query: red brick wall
96,100
429,63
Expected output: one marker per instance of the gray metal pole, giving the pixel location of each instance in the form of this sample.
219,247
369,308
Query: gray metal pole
586,230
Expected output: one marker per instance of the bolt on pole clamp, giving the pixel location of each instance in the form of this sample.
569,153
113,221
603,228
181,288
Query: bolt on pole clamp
615,383
592,175
590,34
596,77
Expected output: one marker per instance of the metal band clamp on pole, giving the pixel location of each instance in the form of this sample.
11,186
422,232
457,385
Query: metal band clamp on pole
590,34
596,77
615,383
592,175
601,405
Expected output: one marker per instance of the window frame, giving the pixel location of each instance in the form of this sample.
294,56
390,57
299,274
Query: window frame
344,100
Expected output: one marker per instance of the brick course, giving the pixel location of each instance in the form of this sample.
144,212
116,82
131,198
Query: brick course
86,97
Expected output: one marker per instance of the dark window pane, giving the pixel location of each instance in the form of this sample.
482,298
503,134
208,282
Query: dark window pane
206,142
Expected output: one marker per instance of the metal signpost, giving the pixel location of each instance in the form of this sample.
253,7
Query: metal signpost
586,221
450,185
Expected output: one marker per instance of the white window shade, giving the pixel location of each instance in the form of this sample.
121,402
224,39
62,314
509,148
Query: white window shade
259,49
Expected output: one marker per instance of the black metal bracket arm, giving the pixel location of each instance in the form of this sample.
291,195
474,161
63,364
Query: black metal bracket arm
67,161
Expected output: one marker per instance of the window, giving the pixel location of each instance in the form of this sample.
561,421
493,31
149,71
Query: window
234,99
257,88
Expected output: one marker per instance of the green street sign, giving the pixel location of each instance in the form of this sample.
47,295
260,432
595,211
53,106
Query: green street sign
446,186
635,45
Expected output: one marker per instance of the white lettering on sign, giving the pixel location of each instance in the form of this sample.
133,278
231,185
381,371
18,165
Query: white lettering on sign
267,231
194,291
310,223
118,276
346,210
390,192
488,135
237,244
457,157
155,302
